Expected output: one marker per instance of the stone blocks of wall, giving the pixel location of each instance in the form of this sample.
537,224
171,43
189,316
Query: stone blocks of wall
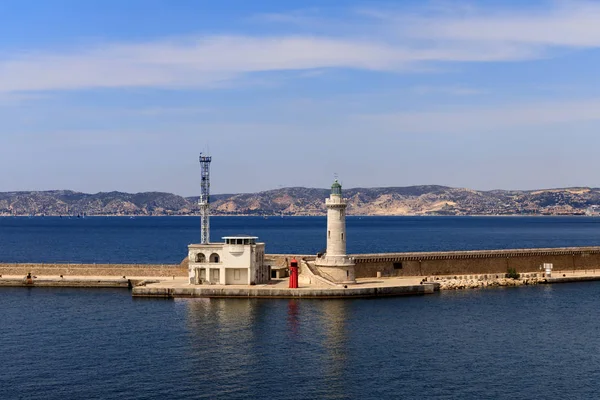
480,262
129,270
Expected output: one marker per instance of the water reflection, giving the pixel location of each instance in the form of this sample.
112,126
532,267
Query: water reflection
240,345
220,336
334,316
293,317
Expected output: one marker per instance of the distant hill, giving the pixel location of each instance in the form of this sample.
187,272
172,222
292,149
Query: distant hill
411,200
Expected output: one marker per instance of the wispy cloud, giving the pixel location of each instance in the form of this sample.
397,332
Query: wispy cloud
454,90
379,41
565,23
163,111
475,119
12,99
203,62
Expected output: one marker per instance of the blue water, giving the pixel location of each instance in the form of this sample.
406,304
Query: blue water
519,343
537,342
164,239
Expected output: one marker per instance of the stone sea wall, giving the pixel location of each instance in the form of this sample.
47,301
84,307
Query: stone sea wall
128,270
463,262
367,265
476,262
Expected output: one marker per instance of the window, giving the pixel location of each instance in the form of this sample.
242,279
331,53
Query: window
214,258
200,258
342,236
328,234
397,265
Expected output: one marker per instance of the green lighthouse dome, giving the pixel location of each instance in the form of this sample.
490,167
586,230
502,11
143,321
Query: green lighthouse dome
336,188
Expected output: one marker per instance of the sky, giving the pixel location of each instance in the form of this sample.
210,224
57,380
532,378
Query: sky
104,95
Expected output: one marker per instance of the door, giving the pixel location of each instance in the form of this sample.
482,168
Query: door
215,276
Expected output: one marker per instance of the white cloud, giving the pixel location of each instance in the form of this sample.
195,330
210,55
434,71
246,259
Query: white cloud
208,62
571,23
203,62
379,41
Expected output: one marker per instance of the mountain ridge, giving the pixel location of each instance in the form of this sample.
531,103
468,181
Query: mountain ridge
397,200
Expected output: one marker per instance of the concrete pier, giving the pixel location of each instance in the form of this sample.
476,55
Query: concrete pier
162,287
569,279
373,289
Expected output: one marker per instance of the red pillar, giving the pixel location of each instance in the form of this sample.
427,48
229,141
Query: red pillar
293,274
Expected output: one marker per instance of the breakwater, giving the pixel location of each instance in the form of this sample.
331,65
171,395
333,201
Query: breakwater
439,263
88,270
476,262
464,262
367,265
491,280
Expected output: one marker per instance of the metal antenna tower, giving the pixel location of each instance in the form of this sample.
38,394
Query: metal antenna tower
204,201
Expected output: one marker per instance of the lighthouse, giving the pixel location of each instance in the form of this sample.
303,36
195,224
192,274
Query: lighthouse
336,222
335,264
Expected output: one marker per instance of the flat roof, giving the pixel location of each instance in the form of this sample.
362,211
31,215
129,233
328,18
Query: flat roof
207,245
240,237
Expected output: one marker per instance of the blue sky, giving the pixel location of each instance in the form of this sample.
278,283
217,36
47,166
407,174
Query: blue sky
123,95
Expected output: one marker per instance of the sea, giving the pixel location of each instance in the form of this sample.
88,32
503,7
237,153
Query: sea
530,342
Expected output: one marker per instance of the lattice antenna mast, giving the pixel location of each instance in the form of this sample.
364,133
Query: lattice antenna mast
204,201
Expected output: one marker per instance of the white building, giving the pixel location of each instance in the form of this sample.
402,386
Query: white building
335,264
237,261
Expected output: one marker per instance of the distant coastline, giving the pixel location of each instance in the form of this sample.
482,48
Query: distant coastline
132,216
430,200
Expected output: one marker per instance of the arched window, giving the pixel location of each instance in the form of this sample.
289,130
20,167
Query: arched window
214,258
200,258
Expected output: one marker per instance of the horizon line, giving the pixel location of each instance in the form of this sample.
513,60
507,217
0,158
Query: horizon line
303,187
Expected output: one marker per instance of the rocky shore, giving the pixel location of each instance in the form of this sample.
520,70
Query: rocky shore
482,281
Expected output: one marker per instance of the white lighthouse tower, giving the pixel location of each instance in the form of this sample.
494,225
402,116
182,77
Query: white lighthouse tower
335,263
